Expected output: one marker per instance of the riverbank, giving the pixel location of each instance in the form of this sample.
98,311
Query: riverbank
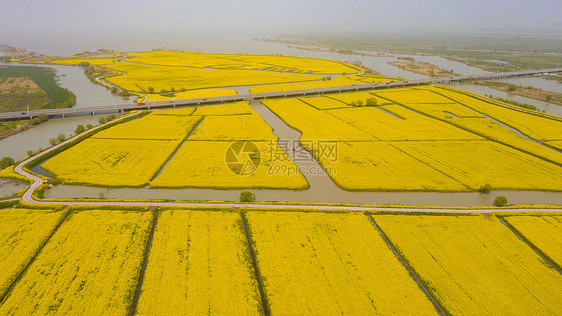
426,69
528,91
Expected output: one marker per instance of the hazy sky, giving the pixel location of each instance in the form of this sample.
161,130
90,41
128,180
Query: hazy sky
42,23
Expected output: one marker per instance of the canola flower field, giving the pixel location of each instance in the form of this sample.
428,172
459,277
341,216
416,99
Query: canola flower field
340,263
309,262
475,265
21,234
545,232
199,264
178,148
89,266
167,75
449,140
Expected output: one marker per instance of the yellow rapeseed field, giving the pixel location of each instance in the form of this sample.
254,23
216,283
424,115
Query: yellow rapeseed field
339,81
111,162
313,123
151,127
202,164
474,265
412,95
353,98
90,266
242,61
393,122
495,131
76,61
191,94
475,163
230,128
324,103
330,264
236,108
545,232
538,128
22,231
555,144
139,78
381,166
199,264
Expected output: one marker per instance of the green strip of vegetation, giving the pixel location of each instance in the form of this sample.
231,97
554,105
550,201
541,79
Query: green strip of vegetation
45,79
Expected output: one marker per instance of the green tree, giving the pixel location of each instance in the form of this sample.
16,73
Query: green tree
79,129
89,126
486,188
101,120
173,89
548,97
163,91
359,102
61,137
36,121
110,117
5,162
29,153
43,117
371,102
53,141
150,90
247,196
500,200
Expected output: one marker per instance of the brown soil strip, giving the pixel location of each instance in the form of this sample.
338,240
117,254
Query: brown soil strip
133,309
264,303
34,256
407,266
539,252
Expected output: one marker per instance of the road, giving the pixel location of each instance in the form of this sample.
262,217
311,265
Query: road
256,96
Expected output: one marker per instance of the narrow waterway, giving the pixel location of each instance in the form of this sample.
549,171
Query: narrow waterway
322,188
9,187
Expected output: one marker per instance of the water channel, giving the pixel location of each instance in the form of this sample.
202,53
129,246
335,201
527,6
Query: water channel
322,187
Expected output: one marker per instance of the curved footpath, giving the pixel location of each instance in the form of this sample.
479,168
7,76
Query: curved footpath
27,197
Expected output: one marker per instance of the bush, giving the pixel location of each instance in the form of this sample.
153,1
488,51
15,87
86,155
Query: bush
247,196
43,117
110,117
486,188
29,153
371,102
8,161
36,121
89,126
61,137
52,141
500,200
79,129
101,120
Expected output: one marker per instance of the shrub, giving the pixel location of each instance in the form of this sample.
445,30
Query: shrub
5,162
52,141
371,102
101,120
500,200
79,129
29,153
247,196
89,126
61,137
486,188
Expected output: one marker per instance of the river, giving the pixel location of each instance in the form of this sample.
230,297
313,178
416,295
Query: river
89,94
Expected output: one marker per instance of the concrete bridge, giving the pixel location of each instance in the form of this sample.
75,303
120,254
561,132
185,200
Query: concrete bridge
256,96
